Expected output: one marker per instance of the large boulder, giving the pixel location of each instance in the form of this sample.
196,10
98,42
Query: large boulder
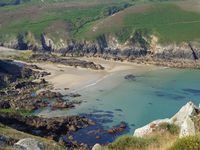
182,119
97,147
29,144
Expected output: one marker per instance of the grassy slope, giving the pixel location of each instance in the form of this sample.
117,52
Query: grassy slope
37,16
17,135
164,137
169,21
85,19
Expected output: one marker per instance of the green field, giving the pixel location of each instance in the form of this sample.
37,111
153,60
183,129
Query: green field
170,21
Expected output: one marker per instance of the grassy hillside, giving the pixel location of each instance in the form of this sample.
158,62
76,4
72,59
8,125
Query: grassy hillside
17,135
168,21
171,21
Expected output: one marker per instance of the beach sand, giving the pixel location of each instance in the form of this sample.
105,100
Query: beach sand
63,77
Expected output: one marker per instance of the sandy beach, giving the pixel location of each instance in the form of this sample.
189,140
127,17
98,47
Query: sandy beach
63,77
66,78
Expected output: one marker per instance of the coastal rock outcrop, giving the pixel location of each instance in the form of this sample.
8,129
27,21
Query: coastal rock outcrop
137,48
29,144
97,147
68,62
10,71
45,127
182,119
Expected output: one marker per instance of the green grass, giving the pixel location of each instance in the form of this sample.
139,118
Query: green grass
167,21
17,135
171,128
196,120
187,143
20,111
126,142
76,17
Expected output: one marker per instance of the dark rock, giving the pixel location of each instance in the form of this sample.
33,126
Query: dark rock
67,61
47,126
117,129
130,77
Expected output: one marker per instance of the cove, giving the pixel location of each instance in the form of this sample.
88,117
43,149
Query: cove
153,94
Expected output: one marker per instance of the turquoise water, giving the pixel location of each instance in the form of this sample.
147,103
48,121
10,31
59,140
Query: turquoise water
154,94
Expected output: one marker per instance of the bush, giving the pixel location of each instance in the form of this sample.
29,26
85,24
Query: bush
171,128
187,143
129,141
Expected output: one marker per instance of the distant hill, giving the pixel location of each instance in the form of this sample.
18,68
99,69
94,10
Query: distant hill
170,21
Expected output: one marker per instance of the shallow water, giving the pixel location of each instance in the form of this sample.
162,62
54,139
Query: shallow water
155,94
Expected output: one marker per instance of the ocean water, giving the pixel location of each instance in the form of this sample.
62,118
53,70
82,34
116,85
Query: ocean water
154,94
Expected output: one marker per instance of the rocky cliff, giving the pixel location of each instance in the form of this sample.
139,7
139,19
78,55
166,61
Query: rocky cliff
182,119
109,47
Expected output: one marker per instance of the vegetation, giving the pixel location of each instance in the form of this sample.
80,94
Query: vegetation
161,139
22,55
171,128
17,135
196,120
86,19
187,143
20,111
131,142
167,21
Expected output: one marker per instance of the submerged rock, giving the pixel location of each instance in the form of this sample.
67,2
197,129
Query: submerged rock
130,77
29,144
117,129
182,119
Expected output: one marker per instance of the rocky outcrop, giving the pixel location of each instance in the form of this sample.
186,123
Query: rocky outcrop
182,119
66,61
109,47
46,127
10,71
29,144
130,77
97,147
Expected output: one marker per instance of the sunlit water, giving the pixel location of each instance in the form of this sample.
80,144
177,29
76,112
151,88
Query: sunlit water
153,95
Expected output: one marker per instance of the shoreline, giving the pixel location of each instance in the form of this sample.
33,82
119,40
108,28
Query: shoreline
77,79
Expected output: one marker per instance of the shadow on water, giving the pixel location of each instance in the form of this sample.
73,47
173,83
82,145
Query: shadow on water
171,96
192,91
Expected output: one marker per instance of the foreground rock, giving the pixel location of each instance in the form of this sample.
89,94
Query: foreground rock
182,119
45,127
29,144
97,147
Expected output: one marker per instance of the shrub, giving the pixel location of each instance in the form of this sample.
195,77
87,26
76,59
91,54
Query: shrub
171,128
187,143
129,141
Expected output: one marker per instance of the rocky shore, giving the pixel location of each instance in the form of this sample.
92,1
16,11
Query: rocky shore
23,91
66,61
51,128
183,119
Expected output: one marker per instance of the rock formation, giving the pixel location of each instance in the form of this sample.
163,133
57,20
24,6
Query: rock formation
182,119
29,144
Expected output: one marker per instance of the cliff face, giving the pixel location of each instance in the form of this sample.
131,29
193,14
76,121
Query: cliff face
108,46
135,47
10,72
